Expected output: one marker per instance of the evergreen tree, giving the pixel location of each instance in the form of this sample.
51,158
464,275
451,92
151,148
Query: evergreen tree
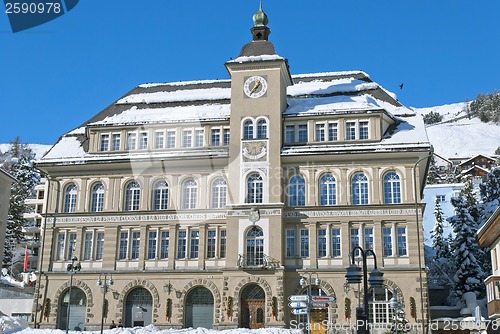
18,164
490,194
469,275
439,243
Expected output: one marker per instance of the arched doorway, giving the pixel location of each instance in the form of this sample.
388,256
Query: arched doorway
319,312
77,310
200,308
253,306
138,308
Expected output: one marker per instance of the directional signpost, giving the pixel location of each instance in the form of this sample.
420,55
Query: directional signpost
298,311
299,304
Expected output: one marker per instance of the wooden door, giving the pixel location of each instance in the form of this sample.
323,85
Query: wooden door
253,314
319,320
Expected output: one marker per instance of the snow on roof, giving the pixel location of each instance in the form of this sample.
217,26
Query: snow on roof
66,147
319,87
135,115
244,59
178,96
330,104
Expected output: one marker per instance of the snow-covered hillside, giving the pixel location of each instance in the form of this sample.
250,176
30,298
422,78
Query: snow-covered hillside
458,136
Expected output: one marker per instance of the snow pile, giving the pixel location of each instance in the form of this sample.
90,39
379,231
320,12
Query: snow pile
152,329
8,324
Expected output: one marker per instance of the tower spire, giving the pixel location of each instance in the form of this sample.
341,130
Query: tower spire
260,31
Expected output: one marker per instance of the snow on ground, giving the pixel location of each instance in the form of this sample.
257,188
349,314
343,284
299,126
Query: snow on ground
12,325
458,136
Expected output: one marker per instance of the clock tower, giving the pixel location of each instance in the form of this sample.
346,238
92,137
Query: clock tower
259,81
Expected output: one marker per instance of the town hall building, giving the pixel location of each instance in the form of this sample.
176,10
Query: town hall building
204,203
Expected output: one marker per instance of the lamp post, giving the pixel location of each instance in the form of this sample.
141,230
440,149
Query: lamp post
396,306
104,284
72,268
355,274
303,282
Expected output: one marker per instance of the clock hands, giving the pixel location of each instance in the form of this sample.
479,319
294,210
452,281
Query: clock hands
257,84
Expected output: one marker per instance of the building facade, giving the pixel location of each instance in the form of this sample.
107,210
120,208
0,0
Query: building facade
207,201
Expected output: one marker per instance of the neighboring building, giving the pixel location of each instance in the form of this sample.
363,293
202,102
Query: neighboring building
6,181
489,236
443,193
207,201
484,162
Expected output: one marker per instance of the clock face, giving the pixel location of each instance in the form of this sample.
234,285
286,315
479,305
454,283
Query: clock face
255,86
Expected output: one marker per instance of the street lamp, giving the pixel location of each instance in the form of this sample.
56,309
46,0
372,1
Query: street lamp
72,268
303,282
355,274
397,307
104,284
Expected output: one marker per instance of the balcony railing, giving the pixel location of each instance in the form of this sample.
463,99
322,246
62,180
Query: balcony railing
252,261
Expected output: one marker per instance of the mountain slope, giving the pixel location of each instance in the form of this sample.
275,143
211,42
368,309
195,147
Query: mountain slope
457,136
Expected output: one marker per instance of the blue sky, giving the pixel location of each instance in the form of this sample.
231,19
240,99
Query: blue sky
56,76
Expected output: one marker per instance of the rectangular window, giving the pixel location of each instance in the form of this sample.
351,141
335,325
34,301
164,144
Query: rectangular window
304,243
143,142
71,245
99,246
181,244
320,132
336,244
368,238
60,246
211,243
152,242
332,132
354,239
441,198
104,142
289,133
322,242
187,138
136,244
222,250
350,131
131,141
123,247
164,245
159,139
87,247
116,142
199,137
194,244
227,137
402,241
290,243
387,240
171,139
215,137
363,130
302,133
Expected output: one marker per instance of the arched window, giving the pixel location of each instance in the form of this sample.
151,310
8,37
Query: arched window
97,198
327,190
248,129
379,304
189,194
132,196
70,198
160,195
255,188
392,188
219,193
262,129
359,189
255,247
296,191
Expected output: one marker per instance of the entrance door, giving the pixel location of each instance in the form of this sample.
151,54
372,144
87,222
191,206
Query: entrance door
200,308
77,310
138,308
319,319
253,306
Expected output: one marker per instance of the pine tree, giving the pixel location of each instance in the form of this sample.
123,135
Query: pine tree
490,194
469,275
439,243
18,164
